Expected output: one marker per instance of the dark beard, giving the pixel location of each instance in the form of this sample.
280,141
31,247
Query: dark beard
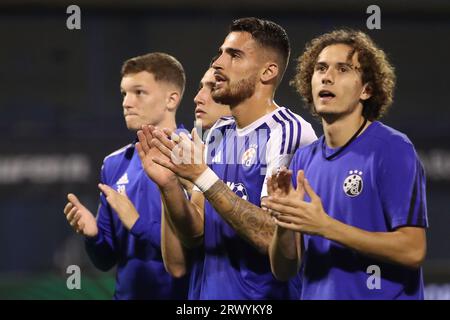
235,94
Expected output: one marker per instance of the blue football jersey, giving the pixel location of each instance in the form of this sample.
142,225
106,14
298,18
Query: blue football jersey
137,253
230,267
376,184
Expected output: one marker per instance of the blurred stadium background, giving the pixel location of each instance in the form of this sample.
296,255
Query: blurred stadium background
61,111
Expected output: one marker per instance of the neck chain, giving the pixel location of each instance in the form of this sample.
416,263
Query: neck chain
339,151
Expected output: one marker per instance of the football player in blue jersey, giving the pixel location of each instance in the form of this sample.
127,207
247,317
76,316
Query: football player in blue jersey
207,111
152,88
230,227
354,221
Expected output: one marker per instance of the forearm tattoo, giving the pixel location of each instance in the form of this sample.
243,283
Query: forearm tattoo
249,221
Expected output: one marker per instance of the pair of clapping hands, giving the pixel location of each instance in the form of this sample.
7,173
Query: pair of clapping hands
288,207
165,156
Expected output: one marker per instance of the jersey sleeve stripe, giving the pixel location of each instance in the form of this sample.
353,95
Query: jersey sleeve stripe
291,132
283,128
298,134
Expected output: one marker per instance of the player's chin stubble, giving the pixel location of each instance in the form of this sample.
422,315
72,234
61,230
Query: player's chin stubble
234,94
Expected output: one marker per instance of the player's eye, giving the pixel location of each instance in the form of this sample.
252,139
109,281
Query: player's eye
321,68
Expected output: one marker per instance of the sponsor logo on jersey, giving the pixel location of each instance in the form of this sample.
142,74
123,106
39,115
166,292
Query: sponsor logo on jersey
123,179
121,183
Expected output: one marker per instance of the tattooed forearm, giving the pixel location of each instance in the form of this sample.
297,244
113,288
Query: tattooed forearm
249,221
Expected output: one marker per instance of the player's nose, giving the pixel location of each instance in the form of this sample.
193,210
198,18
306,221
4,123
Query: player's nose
127,101
199,98
328,77
218,62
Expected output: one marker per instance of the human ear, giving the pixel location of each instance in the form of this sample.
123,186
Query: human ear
172,100
366,93
270,72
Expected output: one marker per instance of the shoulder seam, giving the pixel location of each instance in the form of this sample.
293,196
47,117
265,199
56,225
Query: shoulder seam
286,121
119,151
223,122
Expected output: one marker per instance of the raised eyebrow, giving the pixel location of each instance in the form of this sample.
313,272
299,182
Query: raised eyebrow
344,64
320,63
233,51
137,86
339,64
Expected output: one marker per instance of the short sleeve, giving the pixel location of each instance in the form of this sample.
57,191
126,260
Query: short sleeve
278,153
402,186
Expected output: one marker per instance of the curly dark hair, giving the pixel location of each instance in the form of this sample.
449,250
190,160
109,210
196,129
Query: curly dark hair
375,68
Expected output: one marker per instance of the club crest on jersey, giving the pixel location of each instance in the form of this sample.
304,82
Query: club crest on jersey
238,189
353,184
249,156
